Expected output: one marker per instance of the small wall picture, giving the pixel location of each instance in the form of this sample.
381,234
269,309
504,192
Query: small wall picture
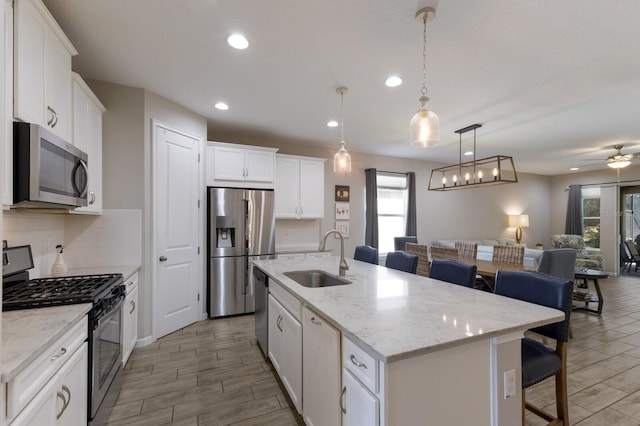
342,193
343,228
342,211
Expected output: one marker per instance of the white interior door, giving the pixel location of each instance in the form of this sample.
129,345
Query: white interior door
176,226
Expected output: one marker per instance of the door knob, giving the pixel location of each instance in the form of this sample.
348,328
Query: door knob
163,258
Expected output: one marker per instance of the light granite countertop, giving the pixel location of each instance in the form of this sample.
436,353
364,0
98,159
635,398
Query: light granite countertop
27,333
396,315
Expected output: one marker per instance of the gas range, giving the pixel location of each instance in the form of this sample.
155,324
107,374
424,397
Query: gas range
106,292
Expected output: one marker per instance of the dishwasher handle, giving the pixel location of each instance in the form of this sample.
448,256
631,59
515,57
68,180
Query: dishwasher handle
260,277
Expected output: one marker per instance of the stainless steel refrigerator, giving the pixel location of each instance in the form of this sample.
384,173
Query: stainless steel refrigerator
241,226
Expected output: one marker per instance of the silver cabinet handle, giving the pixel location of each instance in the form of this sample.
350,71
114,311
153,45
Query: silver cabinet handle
133,306
66,389
162,258
315,321
357,363
52,113
64,404
59,354
342,394
93,197
278,323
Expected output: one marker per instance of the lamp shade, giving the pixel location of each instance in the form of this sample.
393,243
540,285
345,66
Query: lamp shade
519,220
425,128
342,160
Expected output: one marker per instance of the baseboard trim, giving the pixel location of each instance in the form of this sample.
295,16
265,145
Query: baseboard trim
144,341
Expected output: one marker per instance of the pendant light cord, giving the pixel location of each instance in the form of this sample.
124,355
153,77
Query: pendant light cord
342,116
423,91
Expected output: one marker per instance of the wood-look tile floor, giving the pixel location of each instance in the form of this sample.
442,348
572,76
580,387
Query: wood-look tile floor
213,373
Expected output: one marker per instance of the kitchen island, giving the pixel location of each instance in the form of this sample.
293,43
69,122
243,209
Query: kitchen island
437,352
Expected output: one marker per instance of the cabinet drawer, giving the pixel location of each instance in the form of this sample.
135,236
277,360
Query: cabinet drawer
361,364
28,382
132,282
286,299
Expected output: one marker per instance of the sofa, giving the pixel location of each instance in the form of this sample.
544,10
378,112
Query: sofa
485,248
584,260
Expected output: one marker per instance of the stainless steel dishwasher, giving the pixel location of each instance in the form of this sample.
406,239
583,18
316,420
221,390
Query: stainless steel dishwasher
261,282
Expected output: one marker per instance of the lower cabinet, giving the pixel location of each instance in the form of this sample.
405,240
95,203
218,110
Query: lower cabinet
63,400
320,370
285,349
130,318
359,406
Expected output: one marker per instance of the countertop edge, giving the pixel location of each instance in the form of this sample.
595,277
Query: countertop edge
6,376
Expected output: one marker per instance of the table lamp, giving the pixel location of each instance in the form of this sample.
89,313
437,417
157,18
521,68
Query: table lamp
519,221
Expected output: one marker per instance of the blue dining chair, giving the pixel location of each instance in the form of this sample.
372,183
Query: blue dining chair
366,254
540,362
452,271
399,242
402,261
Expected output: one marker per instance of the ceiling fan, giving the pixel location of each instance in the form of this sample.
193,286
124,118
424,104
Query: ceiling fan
619,160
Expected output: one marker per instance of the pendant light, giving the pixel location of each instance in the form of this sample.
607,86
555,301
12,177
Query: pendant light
425,125
342,159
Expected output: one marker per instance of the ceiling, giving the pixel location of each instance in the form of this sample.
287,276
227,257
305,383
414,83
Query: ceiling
555,84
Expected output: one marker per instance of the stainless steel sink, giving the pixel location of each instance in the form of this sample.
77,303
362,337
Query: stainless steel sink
316,278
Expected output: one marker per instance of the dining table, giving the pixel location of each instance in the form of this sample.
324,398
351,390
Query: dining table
489,268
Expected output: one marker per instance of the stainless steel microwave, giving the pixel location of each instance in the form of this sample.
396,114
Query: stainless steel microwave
47,171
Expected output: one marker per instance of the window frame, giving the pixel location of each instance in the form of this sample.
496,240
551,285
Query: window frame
590,194
405,195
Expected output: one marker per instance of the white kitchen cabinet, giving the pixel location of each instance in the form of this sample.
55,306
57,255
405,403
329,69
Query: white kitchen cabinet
321,370
52,389
359,406
6,100
299,187
87,136
239,164
285,349
42,69
130,318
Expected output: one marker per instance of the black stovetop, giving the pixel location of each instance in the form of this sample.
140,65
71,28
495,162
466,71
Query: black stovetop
43,292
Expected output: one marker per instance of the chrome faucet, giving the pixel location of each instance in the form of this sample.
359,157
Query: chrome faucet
343,263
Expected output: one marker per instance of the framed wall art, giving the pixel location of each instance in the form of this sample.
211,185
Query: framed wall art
342,211
342,193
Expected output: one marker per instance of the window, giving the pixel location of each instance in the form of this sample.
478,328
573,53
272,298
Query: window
591,217
392,209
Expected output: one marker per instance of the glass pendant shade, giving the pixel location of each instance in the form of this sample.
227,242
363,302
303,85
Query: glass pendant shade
342,160
424,128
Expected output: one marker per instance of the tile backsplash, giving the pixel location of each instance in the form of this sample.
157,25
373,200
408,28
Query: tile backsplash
114,238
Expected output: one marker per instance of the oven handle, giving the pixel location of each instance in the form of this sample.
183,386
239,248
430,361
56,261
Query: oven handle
114,310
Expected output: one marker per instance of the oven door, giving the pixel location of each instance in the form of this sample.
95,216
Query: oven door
106,355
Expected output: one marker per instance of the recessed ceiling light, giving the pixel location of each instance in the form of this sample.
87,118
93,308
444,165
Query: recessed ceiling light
393,81
574,169
468,153
238,41
332,123
221,106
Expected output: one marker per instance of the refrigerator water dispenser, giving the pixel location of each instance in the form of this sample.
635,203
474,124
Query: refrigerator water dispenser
225,237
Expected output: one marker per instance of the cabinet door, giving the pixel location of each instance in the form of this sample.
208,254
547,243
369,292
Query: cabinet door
311,189
6,108
360,408
41,410
29,34
57,86
72,383
129,323
228,163
292,362
80,117
321,370
275,334
94,153
287,187
259,165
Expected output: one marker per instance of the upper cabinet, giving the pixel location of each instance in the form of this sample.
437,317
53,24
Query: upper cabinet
6,101
299,191
240,165
87,136
42,69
